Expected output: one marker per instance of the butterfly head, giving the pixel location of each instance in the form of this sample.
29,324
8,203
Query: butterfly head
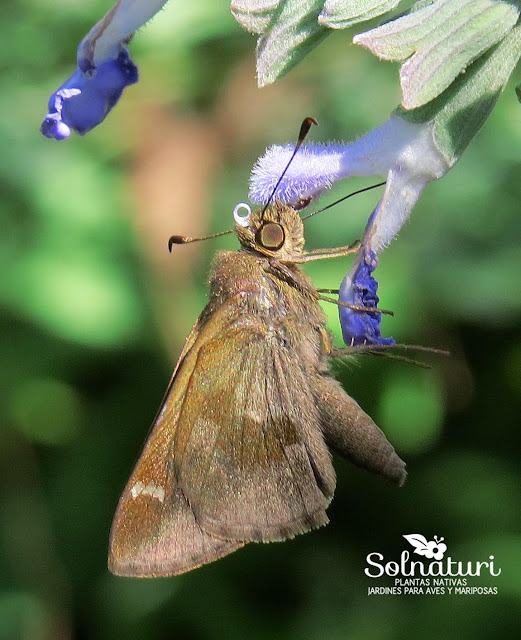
276,232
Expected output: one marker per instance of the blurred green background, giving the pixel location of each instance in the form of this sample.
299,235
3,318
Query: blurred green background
96,311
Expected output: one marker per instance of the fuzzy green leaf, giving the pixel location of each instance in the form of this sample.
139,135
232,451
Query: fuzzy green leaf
254,15
292,34
460,112
443,39
339,14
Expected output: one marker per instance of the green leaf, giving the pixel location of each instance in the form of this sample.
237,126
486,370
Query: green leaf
339,14
460,112
293,33
518,92
443,39
254,15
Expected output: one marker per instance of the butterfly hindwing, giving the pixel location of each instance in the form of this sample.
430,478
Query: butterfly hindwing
248,452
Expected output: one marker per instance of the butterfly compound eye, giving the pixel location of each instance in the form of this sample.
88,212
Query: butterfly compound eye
271,236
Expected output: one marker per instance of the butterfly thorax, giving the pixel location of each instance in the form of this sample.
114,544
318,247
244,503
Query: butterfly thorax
260,288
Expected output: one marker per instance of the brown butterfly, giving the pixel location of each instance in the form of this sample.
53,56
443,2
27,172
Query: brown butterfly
239,449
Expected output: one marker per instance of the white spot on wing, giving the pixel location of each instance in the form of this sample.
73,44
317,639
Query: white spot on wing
148,490
136,489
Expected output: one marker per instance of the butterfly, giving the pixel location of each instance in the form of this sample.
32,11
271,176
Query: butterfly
239,451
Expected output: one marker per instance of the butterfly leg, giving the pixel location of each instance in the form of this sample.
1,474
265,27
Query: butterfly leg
323,254
355,307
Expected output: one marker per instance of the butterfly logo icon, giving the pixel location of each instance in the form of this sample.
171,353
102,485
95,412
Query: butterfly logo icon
432,549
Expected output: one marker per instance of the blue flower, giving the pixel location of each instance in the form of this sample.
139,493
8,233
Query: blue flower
86,98
359,288
104,69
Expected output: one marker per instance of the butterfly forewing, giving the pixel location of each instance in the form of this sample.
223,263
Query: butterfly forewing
154,532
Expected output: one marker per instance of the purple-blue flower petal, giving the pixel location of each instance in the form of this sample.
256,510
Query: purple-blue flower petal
85,99
313,170
360,289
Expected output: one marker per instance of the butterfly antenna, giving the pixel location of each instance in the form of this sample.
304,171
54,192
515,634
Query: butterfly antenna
304,130
187,239
349,195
